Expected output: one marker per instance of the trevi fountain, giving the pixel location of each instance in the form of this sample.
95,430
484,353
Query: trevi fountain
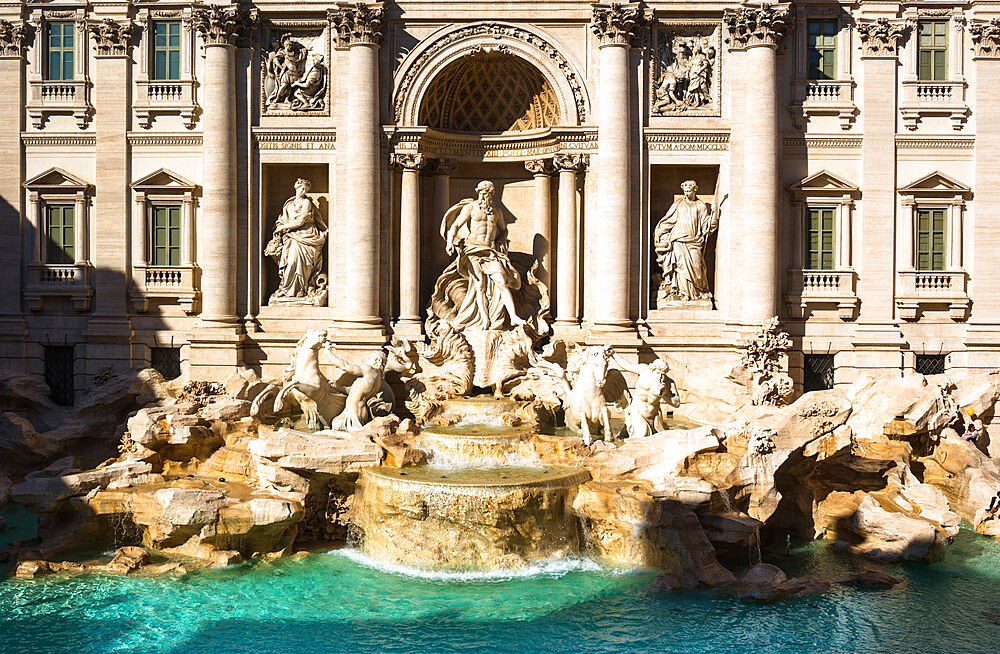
490,474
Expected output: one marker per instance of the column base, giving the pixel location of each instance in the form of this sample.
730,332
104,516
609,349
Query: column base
612,333
409,328
878,350
214,352
13,342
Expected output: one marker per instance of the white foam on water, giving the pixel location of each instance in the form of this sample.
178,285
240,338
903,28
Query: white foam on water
548,568
445,460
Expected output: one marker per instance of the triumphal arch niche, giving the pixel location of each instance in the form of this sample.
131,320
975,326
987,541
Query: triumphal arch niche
498,103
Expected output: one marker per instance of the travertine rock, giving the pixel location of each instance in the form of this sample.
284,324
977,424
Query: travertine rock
243,384
327,452
967,477
43,493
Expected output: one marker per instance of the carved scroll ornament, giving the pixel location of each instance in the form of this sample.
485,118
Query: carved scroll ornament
618,23
111,37
757,26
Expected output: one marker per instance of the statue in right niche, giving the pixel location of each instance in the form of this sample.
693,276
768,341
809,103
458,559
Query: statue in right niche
679,240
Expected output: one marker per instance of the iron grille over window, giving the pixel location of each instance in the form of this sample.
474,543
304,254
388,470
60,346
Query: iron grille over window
59,373
930,364
166,361
818,372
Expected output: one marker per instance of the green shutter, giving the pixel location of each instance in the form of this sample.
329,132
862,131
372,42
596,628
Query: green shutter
167,50
60,237
821,48
932,50
821,239
60,51
166,235
931,239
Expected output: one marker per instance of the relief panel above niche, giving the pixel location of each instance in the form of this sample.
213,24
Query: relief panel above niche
295,70
685,69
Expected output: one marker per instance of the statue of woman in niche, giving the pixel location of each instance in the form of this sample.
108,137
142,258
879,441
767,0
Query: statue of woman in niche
297,247
679,239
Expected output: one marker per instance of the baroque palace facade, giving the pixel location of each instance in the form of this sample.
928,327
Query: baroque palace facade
845,159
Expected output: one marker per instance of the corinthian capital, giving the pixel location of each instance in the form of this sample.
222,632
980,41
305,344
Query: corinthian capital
358,23
407,160
11,38
222,25
986,38
618,23
879,38
539,166
111,37
757,26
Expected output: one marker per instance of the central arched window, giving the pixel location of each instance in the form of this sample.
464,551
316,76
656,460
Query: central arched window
489,93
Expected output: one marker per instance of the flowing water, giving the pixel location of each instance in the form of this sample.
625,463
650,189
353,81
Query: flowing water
343,602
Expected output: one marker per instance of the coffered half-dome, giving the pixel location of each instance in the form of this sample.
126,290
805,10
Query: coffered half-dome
489,93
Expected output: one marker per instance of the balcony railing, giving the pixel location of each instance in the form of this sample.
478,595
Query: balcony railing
47,97
933,98
921,289
823,97
176,284
161,97
51,281
822,287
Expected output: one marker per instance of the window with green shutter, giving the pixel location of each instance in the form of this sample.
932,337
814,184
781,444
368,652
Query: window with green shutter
820,240
60,50
167,49
821,47
167,235
932,50
931,225
60,237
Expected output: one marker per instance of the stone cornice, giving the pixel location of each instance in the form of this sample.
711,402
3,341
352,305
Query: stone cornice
12,37
412,161
358,24
573,162
880,38
660,141
986,38
617,23
763,26
111,37
46,140
222,25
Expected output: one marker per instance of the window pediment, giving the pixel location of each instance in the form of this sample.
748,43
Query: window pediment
936,184
57,180
164,180
824,183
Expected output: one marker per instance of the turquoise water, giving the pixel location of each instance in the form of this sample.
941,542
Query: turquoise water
340,602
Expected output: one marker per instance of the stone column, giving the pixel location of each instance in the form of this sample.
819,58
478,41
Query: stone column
759,31
359,27
440,170
608,238
13,329
541,247
409,243
109,330
215,345
567,282
983,335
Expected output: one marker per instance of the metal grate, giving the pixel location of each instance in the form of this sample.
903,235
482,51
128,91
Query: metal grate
819,371
59,373
930,364
166,361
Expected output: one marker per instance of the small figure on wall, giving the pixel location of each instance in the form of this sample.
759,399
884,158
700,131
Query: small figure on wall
297,248
679,239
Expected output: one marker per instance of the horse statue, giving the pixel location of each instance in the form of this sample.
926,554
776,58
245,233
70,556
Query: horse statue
588,384
305,385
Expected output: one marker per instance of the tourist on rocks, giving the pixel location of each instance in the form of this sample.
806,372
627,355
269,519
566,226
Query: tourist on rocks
973,429
994,506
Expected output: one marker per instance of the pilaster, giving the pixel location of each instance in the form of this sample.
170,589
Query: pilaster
409,243
567,240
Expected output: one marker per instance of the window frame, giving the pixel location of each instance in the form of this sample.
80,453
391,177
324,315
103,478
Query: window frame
935,51
178,230
67,249
155,48
62,50
817,73
808,230
936,251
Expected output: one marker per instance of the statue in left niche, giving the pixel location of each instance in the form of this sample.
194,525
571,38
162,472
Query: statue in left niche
297,247
294,79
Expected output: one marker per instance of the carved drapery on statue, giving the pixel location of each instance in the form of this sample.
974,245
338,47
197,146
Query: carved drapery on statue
680,240
297,247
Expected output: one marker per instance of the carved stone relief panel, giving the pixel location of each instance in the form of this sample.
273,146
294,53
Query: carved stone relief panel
685,70
295,70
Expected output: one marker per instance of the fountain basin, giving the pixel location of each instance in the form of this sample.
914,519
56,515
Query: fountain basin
469,517
481,443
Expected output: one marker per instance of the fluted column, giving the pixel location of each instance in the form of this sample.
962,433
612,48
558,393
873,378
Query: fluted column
758,31
609,234
541,247
12,324
409,241
359,27
567,283
220,28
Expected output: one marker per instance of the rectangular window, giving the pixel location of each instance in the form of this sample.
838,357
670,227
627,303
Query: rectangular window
818,372
820,244
59,373
60,236
166,361
932,50
167,49
930,364
821,46
931,224
60,50
167,235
